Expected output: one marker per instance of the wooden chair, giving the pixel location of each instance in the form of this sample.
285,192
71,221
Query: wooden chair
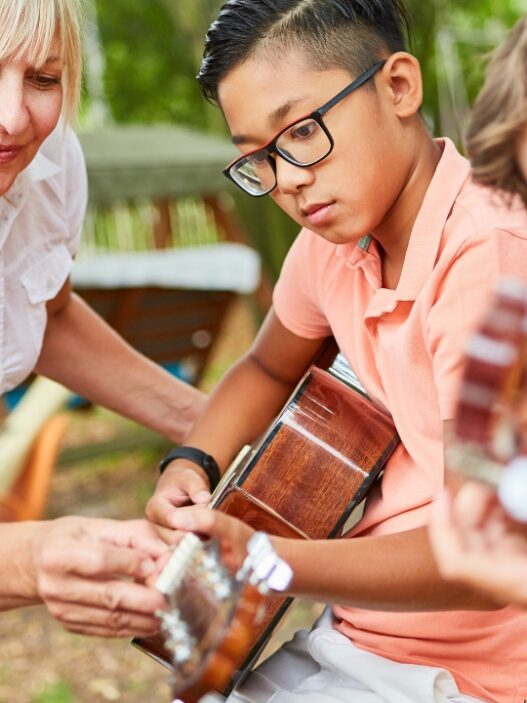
26,499
30,439
169,304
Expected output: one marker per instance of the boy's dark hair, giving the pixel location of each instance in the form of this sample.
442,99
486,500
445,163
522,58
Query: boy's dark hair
349,34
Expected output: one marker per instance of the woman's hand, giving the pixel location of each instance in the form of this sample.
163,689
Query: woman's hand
91,574
477,544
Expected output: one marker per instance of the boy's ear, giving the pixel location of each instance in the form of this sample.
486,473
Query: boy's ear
402,75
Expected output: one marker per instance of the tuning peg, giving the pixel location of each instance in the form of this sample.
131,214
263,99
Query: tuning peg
266,566
512,489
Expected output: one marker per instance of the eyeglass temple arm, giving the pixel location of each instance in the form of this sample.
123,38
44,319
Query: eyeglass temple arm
363,78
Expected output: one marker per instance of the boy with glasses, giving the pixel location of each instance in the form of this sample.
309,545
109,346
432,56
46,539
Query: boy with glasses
397,256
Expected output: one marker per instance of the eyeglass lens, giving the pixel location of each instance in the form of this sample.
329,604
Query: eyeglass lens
303,143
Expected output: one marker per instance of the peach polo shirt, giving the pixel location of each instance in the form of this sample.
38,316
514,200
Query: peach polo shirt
407,347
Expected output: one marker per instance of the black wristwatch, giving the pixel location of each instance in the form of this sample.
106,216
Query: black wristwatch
196,456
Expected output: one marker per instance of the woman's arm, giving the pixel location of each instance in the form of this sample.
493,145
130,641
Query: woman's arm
83,353
88,572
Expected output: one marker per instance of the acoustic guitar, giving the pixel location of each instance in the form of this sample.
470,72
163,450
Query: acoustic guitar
309,472
488,431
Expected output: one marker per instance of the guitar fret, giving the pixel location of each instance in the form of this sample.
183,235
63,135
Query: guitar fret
492,351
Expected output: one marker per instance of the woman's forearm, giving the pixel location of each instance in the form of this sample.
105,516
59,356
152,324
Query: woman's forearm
17,580
83,353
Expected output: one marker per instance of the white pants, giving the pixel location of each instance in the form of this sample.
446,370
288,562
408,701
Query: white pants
323,666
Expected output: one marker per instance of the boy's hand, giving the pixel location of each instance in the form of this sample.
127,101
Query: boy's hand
180,484
477,544
90,574
232,533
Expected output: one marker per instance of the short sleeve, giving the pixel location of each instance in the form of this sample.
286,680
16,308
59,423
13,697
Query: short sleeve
295,297
464,296
76,189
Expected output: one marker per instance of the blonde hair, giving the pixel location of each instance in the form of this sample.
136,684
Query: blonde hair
499,116
30,27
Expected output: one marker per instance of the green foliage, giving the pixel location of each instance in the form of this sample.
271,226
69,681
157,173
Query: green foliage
59,692
153,51
150,66
474,28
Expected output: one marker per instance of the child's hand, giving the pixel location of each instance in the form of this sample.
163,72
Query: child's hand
477,544
232,533
180,484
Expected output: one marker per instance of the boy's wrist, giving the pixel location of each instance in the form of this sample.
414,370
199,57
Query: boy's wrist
194,458
178,465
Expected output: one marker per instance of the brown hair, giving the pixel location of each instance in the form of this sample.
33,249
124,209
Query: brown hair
499,116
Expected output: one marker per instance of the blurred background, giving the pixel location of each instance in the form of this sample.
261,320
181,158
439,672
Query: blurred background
154,152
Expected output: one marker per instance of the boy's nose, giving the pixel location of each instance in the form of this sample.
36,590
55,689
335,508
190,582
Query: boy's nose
14,114
290,179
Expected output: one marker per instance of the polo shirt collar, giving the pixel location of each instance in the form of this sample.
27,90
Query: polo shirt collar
423,247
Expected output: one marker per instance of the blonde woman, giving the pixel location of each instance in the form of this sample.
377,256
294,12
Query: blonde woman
73,565
476,541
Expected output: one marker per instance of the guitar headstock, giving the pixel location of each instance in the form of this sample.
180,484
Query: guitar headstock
210,610
489,428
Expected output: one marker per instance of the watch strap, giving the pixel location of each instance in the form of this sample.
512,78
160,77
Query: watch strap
196,456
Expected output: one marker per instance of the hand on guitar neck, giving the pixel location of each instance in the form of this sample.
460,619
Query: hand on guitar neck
212,609
480,534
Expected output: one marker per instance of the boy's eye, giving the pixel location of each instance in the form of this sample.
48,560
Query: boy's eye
259,157
303,130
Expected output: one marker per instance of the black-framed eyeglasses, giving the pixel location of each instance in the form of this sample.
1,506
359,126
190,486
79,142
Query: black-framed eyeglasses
305,142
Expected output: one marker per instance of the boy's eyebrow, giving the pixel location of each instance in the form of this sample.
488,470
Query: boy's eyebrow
281,112
274,119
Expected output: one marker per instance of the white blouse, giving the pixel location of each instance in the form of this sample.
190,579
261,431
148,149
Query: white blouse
40,224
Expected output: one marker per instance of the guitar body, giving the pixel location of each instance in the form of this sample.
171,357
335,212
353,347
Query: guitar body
313,467
316,463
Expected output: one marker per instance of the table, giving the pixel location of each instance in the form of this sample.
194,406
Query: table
161,163
171,324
